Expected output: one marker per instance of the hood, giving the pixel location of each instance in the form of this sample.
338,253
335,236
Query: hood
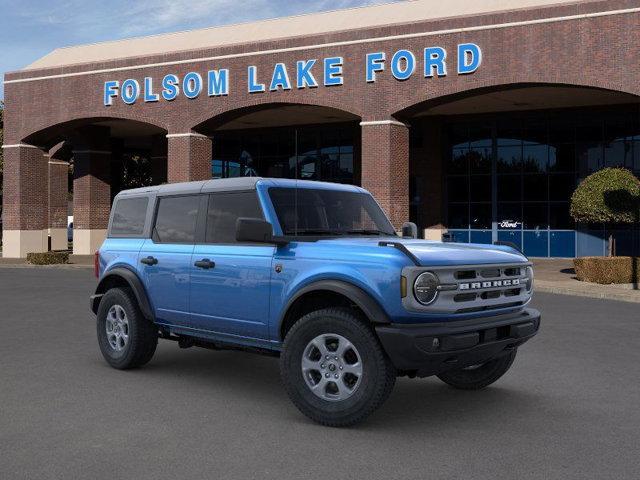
432,253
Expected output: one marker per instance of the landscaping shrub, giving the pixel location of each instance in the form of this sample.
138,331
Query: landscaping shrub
611,195
607,270
48,258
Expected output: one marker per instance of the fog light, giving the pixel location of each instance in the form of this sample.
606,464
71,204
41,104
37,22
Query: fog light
425,288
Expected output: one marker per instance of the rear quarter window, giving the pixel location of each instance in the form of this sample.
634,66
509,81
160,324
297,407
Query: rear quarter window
129,217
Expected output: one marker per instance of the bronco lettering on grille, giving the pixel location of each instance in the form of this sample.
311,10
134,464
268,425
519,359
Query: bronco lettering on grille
490,284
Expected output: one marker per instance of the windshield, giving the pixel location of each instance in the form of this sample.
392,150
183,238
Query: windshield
317,212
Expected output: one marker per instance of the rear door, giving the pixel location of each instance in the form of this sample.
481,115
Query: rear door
230,282
165,258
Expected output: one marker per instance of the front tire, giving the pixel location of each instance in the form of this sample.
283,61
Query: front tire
334,368
126,338
479,376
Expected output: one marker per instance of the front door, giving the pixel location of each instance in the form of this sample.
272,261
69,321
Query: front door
230,282
165,259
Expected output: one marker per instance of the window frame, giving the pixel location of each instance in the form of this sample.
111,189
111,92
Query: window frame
143,233
205,217
198,230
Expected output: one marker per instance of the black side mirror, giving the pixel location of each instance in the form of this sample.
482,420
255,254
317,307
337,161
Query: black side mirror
253,230
409,230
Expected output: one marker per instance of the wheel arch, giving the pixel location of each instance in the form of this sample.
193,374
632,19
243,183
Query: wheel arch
330,293
123,277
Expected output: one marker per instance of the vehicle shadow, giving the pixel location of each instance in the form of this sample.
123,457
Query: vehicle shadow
414,405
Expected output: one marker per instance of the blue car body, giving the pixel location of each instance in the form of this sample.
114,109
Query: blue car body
244,299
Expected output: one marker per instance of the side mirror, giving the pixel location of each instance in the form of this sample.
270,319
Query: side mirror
253,230
256,230
409,230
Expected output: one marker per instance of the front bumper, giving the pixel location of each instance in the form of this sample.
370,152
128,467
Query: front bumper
429,349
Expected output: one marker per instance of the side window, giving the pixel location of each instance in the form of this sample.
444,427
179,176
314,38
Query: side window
224,209
129,216
176,219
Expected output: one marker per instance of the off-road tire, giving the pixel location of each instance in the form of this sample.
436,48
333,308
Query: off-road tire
378,376
143,334
480,377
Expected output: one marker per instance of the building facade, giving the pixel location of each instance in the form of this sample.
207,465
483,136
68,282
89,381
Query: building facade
477,119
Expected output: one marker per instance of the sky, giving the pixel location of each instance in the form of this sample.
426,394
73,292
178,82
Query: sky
29,29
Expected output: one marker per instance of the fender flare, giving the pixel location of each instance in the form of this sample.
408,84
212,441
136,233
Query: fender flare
369,306
134,283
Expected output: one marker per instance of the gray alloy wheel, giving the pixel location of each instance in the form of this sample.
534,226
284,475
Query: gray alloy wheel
332,367
117,328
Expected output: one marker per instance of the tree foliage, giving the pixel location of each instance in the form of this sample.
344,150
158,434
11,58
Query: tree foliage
611,195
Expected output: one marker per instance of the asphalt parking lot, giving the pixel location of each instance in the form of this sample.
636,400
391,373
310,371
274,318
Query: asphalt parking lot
567,409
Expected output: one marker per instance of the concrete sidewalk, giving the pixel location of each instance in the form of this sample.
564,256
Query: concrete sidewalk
556,275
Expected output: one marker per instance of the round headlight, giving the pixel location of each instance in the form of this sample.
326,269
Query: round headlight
425,288
529,279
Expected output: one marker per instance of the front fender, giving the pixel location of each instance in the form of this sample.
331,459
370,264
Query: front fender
131,279
371,308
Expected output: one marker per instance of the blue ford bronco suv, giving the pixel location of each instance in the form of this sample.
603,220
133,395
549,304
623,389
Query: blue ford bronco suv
313,273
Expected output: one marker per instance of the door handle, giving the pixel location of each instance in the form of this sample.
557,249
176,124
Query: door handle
205,263
149,260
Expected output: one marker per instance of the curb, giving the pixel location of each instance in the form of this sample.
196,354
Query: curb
577,291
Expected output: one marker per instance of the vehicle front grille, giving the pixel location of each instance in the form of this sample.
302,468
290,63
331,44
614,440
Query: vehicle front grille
479,288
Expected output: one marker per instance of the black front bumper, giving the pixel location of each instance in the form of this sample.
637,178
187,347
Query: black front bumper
429,349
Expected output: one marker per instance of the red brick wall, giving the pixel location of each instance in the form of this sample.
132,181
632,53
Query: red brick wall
58,188
189,158
25,183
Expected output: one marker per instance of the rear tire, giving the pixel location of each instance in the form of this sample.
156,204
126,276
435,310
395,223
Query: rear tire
334,368
479,376
126,338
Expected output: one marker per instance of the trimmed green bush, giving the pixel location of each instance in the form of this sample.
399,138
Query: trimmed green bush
611,195
48,258
607,270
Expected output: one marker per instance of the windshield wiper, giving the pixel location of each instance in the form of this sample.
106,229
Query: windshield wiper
369,232
316,232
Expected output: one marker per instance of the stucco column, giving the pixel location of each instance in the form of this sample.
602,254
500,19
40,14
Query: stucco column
189,157
91,199
158,159
58,190
385,166
25,211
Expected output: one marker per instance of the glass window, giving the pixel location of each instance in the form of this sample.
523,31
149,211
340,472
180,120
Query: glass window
562,158
510,216
509,187
481,188
535,188
318,212
459,161
129,216
535,216
458,189
176,219
618,154
458,216
559,217
561,186
509,159
535,158
480,160
223,211
480,215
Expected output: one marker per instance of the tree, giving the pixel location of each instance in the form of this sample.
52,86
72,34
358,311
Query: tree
609,196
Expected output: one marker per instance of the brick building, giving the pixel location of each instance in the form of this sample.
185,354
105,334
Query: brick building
476,118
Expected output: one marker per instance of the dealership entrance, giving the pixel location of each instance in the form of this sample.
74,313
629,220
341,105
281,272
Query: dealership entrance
509,175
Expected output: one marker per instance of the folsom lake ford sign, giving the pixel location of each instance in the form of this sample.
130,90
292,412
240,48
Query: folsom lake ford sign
308,73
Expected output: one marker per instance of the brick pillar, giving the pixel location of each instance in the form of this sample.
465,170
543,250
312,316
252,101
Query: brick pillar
58,191
25,211
91,188
385,167
189,157
159,159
